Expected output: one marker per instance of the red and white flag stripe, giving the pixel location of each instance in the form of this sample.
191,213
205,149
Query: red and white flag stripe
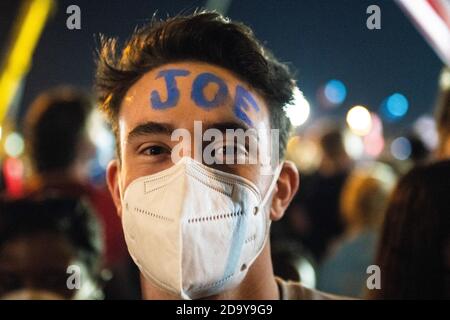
432,18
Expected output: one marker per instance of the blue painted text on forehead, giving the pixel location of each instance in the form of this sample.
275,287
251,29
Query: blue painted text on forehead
243,98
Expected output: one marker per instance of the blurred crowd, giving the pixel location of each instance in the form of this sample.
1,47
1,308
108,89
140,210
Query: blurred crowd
61,216
348,214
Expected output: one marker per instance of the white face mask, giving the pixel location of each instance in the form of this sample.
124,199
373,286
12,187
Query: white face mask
195,231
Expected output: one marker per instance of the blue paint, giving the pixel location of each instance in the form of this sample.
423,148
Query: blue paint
199,85
173,94
242,101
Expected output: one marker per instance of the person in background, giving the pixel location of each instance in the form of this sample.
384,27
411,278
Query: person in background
319,199
420,154
443,117
43,241
363,200
59,150
414,249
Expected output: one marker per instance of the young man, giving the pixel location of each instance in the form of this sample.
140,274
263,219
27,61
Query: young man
198,228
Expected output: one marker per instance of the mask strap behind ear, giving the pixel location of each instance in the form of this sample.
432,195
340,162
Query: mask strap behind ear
272,185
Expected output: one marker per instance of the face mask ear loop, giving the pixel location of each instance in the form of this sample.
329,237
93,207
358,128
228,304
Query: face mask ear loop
276,175
266,197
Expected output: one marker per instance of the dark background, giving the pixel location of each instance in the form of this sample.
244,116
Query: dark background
320,39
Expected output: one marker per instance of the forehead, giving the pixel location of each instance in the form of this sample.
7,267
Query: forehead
181,93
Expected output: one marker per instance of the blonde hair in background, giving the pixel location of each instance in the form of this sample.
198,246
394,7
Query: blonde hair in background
364,196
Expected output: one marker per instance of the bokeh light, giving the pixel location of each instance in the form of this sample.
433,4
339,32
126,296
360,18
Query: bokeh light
374,141
373,145
307,273
401,148
395,107
13,174
444,81
425,129
359,120
298,111
353,145
14,145
102,138
335,92
304,152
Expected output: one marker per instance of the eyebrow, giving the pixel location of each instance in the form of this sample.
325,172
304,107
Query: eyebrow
226,125
151,127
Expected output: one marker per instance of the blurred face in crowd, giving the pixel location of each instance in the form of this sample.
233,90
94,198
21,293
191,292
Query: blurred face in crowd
34,267
168,98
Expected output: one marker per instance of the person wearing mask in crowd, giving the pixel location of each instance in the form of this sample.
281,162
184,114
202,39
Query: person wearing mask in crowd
50,248
443,116
362,201
198,228
414,249
59,149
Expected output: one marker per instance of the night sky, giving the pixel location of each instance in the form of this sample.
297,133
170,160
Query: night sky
320,39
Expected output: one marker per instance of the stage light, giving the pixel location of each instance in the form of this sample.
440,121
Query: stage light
401,148
298,111
359,120
335,92
14,145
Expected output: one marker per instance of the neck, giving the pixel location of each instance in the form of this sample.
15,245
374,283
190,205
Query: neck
259,284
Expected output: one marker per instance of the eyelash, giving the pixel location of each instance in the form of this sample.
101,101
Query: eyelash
162,150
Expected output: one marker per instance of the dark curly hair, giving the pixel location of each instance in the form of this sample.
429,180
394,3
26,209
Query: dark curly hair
69,217
202,36
54,126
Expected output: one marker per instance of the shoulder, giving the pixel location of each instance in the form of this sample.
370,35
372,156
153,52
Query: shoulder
290,290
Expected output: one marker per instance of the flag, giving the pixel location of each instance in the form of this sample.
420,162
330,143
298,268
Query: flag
432,18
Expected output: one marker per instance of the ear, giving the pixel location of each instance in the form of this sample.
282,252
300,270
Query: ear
287,186
112,179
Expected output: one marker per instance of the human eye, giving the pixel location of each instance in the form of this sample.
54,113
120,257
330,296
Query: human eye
154,150
227,152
